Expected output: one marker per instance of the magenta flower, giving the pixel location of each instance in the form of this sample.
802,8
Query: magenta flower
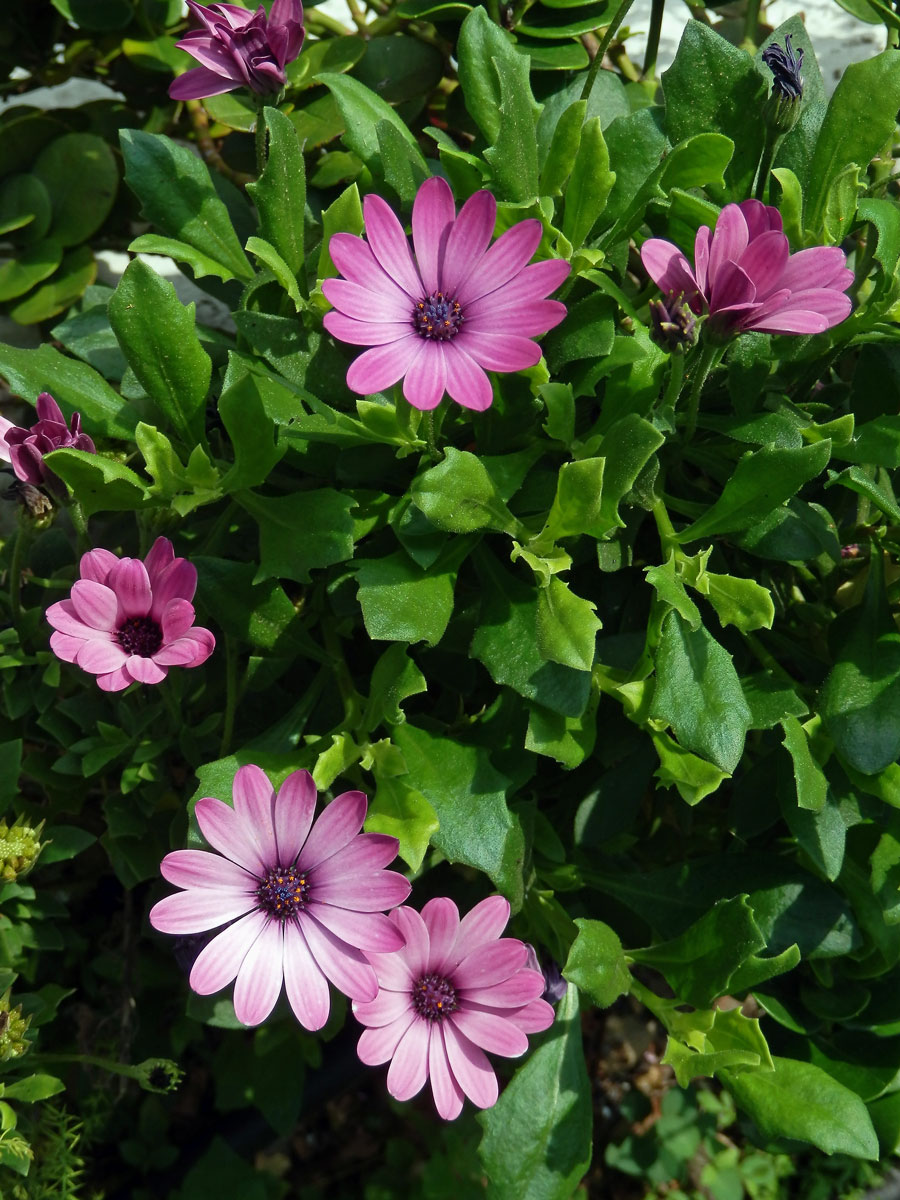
238,48
440,319
455,990
128,621
304,897
25,448
746,277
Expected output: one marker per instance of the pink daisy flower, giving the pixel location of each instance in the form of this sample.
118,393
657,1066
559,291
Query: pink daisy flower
25,448
455,990
745,276
128,621
238,48
441,318
304,897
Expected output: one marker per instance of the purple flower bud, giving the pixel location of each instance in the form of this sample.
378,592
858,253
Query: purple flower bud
26,448
239,48
785,67
555,987
672,324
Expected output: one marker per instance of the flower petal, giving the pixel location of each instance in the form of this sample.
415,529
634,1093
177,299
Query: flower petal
441,917
191,650
97,564
448,1095
66,646
177,619
416,955
387,1007
354,259
227,833
468,240
363,893
367,852
470,1067
100,657
490,1032
116,681
484,923
62,616
365,333
175,581
389,245
161,555
530,318
382,366
254,803
817,267
219,961
198,909
499,352
337,825
764,261
506,258
260,976
377,1046
295,807
304,983
519,989
199,83
432,218
362,304
489,963
425,380
95,604
729,241
409,1066
200,868
131,583
466,381
347,968
367,931
143,670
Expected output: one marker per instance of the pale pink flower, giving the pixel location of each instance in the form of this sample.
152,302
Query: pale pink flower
745,276
305,898
440,319
455,990
239,48
25,448
128,621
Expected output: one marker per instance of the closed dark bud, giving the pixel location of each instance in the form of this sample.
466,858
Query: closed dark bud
672,324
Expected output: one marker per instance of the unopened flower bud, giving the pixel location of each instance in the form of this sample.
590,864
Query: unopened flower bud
13,1025
32,499
20,844
157,1075
783,106
672,324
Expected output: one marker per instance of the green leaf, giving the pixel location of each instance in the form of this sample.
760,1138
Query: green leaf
75,386
482,43
699,694
99,484
743,603
468,795
876,442
25,208
34,1088
762,480
80,175
513,153
158,337
799,1100
670,589
343,215
856,479
259,614
242,407
578,504
280,192
694,777
178,198
361,110
697,101
708,1043
589,185
506,642
401,602
566,626
563,150
860,699
300,532
597,963
201,264
403,168
402,812
75,274
537,1137
627,447
569,740
29,267
859,120
699,964
269,257
821,833
459,495
812,786
395,677
885,218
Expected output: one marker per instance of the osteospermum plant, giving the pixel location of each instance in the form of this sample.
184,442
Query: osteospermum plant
483,646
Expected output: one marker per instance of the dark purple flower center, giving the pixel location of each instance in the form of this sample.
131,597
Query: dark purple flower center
434,997
437,317
284,892
141,636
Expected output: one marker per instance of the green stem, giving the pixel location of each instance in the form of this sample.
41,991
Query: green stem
15,575
668,538
231,692
430,436
650,1000
751,21
259,137
657,8
79,523
342,675
766,159
611,31
318,22
676,381
709,357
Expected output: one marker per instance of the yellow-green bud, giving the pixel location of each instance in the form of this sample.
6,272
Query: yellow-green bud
13,1025
20,845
